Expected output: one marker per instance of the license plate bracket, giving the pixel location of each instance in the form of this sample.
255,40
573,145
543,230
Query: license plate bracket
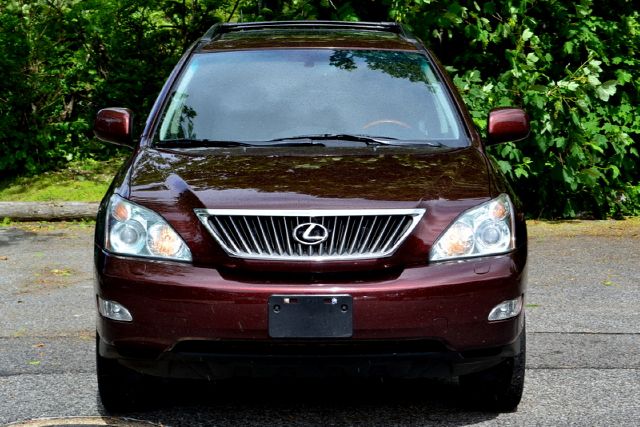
310,316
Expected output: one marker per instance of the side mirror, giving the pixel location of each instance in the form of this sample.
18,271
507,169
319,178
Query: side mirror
507,124
114,125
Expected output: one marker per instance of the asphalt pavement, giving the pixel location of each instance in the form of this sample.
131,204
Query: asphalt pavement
583,363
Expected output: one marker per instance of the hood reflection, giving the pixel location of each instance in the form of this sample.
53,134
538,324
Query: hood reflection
231,178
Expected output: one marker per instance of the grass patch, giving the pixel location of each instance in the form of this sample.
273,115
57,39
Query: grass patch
82,181
47,226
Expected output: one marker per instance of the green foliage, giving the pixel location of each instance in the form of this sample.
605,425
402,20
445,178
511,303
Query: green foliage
573,65
63,60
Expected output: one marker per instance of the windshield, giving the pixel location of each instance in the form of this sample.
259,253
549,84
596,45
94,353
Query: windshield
266,95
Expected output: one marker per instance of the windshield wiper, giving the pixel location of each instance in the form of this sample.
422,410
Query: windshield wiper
185,142
206,143
299,141
366,139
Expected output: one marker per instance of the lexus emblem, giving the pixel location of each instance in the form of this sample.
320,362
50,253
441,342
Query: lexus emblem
310,233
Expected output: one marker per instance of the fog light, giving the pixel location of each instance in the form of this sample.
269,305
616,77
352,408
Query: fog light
114,311
506,309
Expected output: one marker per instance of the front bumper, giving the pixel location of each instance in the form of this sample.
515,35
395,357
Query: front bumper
424,321
230,359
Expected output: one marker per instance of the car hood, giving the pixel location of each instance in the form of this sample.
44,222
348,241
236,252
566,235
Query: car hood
290,179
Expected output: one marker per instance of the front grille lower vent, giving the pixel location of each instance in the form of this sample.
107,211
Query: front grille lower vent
310,235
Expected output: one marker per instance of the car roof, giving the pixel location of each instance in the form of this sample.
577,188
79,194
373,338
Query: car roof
307,34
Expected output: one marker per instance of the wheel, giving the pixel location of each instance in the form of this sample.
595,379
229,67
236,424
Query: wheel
120,389
498,388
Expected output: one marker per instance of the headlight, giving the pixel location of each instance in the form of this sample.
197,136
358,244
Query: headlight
134,230
484,230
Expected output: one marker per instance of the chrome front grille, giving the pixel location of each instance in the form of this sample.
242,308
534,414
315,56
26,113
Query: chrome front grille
310,235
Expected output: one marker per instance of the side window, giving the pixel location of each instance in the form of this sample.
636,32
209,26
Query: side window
179,115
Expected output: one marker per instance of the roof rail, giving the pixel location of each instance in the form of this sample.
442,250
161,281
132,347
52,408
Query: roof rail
392,27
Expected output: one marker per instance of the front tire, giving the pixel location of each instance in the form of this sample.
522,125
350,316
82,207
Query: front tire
499,388
120,389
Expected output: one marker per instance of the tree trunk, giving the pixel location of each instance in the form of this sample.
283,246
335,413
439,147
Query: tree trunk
47,211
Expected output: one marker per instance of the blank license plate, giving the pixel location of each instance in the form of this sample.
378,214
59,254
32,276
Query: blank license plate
310,316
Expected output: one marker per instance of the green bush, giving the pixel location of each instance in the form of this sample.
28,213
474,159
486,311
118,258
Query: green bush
573,65
63,60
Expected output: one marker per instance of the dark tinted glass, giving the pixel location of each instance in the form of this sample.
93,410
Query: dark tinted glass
268,94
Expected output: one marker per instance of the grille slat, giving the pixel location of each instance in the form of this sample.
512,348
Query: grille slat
275,234
256,245
396,232
238,233
347,234
363,248
226,234
332,234
343,240
321,245
355,237
380,235
287,237
265,238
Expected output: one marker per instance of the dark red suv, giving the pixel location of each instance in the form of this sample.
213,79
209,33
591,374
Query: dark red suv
310,197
